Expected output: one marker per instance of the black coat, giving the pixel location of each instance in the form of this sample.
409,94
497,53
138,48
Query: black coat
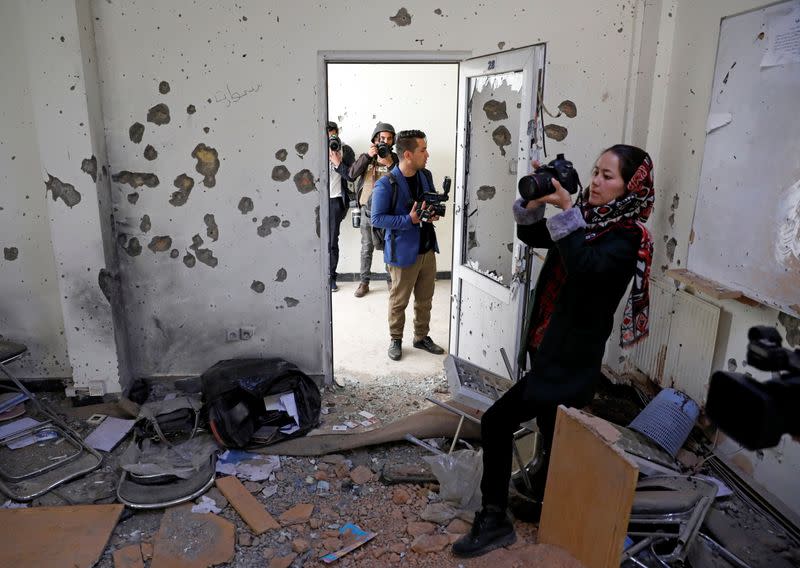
567,364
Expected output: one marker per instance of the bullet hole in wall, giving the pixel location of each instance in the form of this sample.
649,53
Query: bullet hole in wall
89,166
184,184
150,153
160,243
10,253
135,132
501,137
207,163
207,257
163,87
106,282
671,244
64,191
732,366
145,224
555,132
501,44
301,148
281,154
136,179
304,180
257,286
190,109
245,205
495,110
291,302
280,173
280,276
133,248
486,192
158,114
197,242
402,18
133,198
212,230
189,260
267,224
568,108
174,253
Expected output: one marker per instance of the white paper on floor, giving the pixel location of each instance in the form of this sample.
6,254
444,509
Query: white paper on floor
247,465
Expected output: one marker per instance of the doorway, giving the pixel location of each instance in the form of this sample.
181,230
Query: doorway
409,95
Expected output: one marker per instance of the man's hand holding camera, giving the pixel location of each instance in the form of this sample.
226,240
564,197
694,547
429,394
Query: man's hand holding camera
382,152
414,214
335,156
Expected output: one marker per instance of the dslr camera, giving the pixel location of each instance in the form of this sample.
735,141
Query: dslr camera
540,182
434,202
753,413
384,149
335,143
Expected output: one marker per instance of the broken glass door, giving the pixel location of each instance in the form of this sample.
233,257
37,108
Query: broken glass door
498,129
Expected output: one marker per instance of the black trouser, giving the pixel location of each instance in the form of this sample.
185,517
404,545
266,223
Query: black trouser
336,213
498,425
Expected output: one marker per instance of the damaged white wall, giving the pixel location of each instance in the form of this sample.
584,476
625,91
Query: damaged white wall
244,81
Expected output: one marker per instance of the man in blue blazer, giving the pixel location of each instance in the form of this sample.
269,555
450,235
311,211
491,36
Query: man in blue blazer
410,244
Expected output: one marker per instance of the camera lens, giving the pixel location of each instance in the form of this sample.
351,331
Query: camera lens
535,185
383,150
334,143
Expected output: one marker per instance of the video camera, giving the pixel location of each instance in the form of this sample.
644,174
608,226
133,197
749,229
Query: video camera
540,182
434,202
753,413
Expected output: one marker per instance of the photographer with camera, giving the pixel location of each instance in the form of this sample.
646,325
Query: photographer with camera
410,244
367,170
594,248
340,158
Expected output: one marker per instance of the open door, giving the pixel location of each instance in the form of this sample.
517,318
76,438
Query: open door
498,133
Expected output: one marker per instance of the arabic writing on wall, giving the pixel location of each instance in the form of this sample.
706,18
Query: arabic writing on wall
228,96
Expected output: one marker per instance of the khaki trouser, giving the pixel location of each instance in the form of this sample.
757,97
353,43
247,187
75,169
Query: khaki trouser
419,278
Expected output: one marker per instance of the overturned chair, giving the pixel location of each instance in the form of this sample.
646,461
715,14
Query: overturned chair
42,452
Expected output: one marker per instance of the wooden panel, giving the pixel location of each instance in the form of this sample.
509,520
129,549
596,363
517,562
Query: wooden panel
56,536
253,512
704,285
589,492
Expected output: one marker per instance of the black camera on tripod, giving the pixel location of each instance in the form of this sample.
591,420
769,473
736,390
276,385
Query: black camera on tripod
753,413
434,202
335,143
540,182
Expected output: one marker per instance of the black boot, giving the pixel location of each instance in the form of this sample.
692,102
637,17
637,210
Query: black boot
491,529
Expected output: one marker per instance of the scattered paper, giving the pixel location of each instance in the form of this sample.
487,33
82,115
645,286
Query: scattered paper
718,120
783,35
247,465
367,415
339,428
722,489
366,423
110,432
269,490
13,505
17,426
284,402
353,537
351,424
206,505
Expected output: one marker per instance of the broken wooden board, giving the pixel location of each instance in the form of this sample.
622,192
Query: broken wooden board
193,540
431,422
56,536
129,557
254,514
589,492
709,287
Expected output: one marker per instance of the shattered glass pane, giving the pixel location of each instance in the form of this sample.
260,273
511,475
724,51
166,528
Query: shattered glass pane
491,182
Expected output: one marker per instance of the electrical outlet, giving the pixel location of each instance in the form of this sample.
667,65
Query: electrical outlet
246,333
231,335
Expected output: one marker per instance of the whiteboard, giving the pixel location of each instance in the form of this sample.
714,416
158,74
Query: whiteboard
747,215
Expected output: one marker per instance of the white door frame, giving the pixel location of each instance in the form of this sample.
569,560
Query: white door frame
323,58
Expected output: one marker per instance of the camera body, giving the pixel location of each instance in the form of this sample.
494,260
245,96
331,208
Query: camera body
335,143
434,202
383,149
753,413
540,182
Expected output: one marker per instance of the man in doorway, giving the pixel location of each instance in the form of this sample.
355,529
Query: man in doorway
410,243
368,169
340,158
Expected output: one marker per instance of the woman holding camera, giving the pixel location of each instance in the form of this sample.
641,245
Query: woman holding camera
595,246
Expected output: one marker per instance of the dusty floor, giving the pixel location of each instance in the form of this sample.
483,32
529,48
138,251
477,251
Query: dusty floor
395,512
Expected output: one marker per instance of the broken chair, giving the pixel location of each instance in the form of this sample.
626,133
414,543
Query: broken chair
44,453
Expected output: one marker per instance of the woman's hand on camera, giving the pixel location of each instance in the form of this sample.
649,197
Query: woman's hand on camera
560,197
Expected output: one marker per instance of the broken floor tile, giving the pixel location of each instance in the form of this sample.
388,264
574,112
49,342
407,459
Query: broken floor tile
417,528
128,557
282,561
361,475
430,543
192,540
248,507
297,514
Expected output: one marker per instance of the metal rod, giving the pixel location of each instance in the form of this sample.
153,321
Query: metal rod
508,364
455,438
724,552
420,443
453,410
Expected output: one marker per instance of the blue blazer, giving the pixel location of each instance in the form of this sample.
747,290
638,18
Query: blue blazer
402,236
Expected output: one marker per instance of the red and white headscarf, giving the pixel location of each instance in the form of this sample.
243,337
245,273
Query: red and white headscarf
630,212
